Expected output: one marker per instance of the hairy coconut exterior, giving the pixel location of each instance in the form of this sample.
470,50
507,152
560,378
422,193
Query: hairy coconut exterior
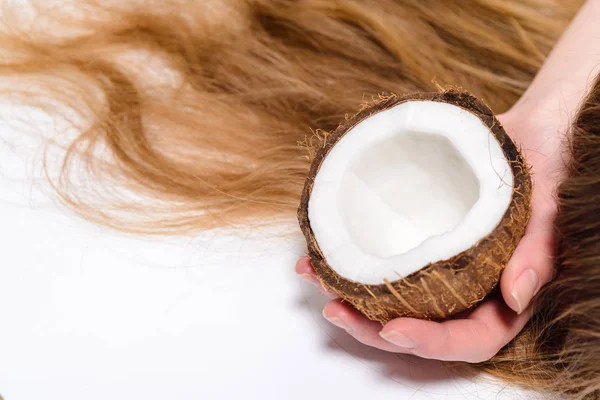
444,288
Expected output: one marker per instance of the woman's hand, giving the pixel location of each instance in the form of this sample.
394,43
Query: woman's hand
482,333
538,123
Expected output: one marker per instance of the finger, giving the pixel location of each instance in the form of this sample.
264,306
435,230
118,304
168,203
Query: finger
531,266
361,328
474,339
305,270
303,266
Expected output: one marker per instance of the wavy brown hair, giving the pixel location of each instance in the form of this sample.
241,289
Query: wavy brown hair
189,114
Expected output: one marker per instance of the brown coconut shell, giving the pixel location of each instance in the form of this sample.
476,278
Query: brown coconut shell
444,288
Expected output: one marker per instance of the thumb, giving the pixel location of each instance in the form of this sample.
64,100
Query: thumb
531,267
532,264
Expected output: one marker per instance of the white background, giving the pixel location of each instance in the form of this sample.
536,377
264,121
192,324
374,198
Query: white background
88,313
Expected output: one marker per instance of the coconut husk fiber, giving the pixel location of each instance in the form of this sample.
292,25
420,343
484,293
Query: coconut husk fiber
444,288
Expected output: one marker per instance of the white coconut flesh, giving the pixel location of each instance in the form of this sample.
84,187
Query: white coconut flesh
411,185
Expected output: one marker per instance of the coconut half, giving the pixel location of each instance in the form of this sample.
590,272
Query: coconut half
413,206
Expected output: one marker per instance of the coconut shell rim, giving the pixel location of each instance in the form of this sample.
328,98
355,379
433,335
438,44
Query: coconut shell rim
521,195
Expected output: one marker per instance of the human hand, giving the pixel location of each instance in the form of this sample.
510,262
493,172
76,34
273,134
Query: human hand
484,331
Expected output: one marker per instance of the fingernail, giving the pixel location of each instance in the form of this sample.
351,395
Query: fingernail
338,322
310,278
525,288
399,339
